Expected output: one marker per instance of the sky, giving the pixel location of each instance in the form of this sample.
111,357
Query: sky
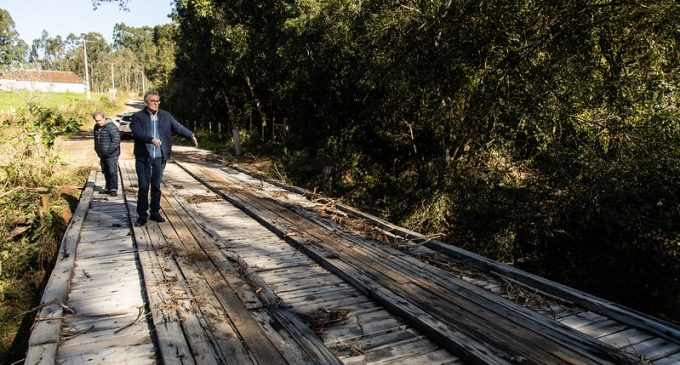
61,17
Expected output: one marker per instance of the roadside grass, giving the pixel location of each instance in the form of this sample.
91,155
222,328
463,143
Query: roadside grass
13,100
71,105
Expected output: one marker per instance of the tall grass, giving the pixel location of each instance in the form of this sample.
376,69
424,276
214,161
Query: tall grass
72,105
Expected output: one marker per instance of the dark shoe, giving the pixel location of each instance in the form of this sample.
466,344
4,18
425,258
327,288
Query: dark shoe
140,222
104,191
157,217
113,193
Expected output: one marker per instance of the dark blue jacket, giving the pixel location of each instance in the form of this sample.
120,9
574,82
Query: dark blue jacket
142,132
107,140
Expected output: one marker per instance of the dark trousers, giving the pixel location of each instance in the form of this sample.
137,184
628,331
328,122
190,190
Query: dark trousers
149,174
110,170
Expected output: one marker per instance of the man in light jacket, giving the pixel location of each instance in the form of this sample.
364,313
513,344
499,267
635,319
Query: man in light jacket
152,131
107,147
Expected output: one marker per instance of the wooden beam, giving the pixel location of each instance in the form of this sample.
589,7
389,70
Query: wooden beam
45,334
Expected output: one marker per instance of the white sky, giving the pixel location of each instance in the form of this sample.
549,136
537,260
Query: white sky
61,17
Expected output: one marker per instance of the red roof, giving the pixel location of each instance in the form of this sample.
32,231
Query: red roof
43,76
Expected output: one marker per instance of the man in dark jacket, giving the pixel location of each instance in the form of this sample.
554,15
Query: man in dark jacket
107,146
152,130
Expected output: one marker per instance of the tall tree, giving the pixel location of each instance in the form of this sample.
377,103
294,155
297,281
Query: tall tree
12,48
527,131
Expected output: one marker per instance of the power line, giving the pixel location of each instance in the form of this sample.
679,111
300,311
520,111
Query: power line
50,16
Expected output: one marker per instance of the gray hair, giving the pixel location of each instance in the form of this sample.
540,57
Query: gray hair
95,114
150,92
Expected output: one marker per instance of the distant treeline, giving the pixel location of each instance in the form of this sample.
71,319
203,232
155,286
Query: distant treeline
138,58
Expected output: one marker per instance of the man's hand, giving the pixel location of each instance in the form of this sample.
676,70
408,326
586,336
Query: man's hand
193,138
156,142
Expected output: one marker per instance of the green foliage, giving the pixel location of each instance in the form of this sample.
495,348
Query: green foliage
543,134
46,124
12,48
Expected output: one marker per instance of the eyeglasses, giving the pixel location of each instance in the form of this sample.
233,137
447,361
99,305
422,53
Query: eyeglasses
156,101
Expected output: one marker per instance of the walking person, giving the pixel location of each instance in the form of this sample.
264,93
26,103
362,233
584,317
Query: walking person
152,131
107,147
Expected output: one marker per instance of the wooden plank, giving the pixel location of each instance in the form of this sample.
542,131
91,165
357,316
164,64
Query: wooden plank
112,262
275,223
315,295
580,320
307,340
41,354
625,338
349,333
669,360
592,303
392,352
474,299
217,320
97,238
278,276
436,357
193,323
102,283
388,338
450,337
654,348
172,344
73,326
600,329
304,337
106,339
133,355
326,280
56,290
281,338
209,283
269,263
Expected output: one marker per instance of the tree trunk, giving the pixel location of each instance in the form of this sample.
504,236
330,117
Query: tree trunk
258,106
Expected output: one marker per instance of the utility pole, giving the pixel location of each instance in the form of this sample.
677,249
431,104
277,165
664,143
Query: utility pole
87,73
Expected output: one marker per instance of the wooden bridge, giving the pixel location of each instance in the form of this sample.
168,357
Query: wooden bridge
248,271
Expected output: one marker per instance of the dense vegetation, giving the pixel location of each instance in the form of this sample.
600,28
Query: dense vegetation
543,134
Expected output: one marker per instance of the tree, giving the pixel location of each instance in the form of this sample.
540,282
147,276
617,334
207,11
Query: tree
12,49
541,133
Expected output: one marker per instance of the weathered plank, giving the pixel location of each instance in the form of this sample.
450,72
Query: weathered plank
391,352
201,281
673,359
304,338
172,344
654,348
592,303
626,338
258,343
45,333
520,344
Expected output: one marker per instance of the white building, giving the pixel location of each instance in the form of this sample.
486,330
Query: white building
38,80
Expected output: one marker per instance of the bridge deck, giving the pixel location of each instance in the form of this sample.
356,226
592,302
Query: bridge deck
243,272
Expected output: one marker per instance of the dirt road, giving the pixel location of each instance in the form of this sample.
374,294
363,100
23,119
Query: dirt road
78,151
